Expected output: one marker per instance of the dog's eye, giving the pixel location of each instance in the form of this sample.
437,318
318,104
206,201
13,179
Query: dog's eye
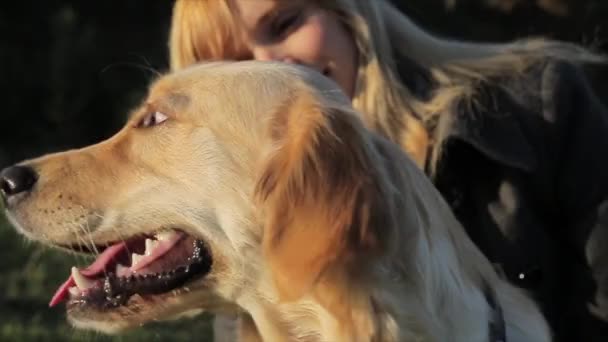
152,119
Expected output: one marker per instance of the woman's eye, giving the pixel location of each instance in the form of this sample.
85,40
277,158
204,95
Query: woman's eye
152,119
284,23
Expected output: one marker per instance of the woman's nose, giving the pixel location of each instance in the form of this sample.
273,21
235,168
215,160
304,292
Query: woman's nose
270,54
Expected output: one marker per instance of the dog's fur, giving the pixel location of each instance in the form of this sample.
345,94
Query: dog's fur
320,230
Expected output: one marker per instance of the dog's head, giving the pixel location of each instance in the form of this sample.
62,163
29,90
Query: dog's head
229,177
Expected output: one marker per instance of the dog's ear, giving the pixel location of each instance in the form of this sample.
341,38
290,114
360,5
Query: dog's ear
322,193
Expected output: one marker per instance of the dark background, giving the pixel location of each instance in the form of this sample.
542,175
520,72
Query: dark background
71,70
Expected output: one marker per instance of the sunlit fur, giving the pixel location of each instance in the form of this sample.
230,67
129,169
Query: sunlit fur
206,30
320,230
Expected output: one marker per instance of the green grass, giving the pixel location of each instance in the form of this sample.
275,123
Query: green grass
30,274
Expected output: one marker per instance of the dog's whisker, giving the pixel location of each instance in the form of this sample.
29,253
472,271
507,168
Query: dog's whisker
33,260
149,65
81,241
81,237
81,230
134,65
85,244
87,232
121,236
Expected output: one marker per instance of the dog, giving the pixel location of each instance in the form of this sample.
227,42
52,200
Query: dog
254,188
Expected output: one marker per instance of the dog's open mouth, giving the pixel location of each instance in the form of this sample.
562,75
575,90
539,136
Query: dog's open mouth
147,266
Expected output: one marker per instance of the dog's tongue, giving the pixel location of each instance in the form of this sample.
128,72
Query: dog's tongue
97,267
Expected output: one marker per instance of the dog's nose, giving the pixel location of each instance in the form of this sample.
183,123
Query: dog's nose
17,179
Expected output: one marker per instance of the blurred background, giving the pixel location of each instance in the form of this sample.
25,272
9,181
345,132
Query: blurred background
70,70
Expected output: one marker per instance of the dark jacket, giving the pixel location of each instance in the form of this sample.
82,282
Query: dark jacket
528,178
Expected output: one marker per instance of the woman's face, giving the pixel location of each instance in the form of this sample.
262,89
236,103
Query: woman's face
296,31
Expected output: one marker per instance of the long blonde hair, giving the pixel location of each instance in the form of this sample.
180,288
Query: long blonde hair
207,30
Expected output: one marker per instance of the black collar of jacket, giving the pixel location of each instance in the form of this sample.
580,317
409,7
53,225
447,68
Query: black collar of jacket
502,120
491,123
497,133
496,323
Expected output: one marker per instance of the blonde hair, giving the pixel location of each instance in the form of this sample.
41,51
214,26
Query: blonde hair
207,30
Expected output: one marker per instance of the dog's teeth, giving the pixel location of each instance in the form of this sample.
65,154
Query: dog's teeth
150,245
74,291
121,270
82,282
135,259
165,236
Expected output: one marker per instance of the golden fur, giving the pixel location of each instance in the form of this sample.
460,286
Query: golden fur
320,230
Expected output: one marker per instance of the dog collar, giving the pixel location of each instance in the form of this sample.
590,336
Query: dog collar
496,324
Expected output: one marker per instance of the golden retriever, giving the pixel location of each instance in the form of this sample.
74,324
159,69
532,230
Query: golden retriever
254,188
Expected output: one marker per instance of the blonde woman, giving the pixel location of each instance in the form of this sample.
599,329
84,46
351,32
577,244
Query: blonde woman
511,134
